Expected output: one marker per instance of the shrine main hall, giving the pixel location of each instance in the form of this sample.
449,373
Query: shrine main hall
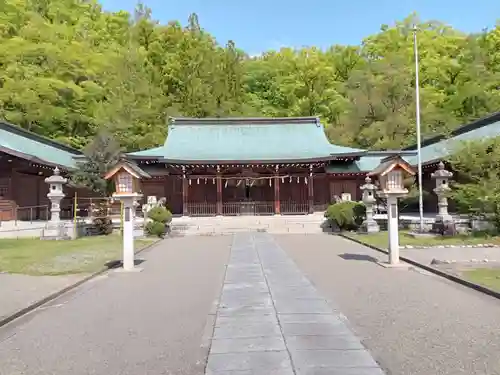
252,166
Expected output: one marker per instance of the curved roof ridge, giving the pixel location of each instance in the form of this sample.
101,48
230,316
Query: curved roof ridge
247,139
37,137
463,129
243,120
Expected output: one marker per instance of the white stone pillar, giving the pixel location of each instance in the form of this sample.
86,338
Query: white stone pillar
392,224
128,234
128,230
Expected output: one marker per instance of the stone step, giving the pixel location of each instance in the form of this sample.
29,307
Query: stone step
229,225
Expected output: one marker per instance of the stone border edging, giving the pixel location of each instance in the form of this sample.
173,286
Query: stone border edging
448,246
59,293
446,275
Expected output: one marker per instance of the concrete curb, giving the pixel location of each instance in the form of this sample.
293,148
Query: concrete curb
446,275
59,293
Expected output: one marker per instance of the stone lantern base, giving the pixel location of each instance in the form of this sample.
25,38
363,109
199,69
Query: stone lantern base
370,226
55,231
444,227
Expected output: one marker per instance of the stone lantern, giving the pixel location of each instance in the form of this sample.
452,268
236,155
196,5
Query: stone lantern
54,229
369,225
391,173
127,179
442,178
56,194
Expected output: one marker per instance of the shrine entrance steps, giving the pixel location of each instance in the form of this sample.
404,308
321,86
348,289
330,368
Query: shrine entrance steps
303,224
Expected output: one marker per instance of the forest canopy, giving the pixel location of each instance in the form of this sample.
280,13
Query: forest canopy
69,69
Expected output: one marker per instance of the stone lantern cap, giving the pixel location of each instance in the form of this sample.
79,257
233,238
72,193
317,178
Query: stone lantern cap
131,168
441,172
390,174
368,185
127,177
56,178
389,164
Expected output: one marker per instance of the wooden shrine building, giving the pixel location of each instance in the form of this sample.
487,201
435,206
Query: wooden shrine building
253,166
26,159
225,166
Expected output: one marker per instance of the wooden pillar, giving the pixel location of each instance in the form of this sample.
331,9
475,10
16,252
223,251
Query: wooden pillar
185,189
219,192
310,190
277,204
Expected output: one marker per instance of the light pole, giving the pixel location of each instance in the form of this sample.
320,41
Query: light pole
419,155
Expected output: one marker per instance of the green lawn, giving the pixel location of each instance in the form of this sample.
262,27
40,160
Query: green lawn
489,277
381,239
84,255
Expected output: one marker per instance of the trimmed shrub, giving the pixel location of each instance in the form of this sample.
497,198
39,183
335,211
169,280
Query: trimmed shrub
160,219
160,215
155,228
346,215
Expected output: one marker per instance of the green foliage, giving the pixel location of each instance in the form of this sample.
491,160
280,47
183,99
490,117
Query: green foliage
102,222
104,225
160,218
412,198
346,215
155,228
71,69
100,155
160,214
476,190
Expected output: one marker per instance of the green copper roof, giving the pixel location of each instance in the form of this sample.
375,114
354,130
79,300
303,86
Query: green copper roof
24,144
476,131
246,139
150,152
364,164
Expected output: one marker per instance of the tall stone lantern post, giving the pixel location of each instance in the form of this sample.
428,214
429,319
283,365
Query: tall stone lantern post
127,178
369,225
390,174
442,178
54,229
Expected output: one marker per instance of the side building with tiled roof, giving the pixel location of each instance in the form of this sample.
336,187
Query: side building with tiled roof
26,159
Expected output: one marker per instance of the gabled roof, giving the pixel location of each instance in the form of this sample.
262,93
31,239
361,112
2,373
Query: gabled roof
129,167
193,140
388,164
368,162
24,144
439,147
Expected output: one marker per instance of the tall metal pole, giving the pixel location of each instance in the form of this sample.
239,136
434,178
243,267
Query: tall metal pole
419,156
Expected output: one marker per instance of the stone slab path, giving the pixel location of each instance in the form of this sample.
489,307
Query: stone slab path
271,320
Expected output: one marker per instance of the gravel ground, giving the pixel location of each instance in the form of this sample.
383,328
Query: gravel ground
152,322
20,291
459,254
413,323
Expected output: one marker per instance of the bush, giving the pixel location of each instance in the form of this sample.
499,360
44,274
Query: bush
160,215
103,225
102,222
346,215
160,218
155,228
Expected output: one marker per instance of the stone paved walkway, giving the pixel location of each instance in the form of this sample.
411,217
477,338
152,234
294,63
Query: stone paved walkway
271,320
19,291
140,323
